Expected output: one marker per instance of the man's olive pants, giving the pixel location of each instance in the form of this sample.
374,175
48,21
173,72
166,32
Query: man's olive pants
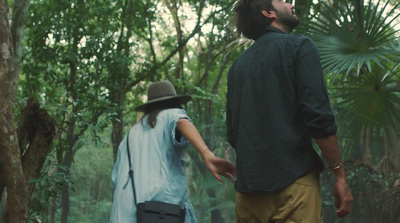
300,202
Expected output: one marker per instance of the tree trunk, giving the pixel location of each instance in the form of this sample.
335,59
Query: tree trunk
65,201
173,8
16,209
52,210
118,94
99,186
3,193
36,129
33,162
3,197
394,151
391,148
367,145
72,136
20,10
117,133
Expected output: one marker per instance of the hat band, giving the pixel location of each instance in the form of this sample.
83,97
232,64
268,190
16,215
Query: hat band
161,96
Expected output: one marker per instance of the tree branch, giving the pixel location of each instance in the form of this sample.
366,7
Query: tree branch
196,29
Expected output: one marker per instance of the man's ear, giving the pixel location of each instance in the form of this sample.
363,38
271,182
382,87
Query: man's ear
268,14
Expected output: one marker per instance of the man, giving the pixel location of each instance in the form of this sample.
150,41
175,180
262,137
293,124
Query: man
276,103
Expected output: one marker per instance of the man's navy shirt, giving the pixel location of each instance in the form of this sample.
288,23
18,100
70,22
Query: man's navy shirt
276,103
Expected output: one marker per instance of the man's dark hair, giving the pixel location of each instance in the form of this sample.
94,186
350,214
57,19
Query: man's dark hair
251,23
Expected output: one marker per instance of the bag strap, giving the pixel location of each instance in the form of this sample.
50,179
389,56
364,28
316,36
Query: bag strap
131,168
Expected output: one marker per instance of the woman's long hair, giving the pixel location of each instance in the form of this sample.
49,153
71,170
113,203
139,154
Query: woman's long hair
152,110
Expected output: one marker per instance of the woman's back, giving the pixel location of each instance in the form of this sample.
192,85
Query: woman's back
157,147
157,156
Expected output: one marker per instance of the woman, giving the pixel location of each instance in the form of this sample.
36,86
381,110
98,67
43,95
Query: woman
156,147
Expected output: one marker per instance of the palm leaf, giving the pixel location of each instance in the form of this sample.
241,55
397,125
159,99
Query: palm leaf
369,102
350,35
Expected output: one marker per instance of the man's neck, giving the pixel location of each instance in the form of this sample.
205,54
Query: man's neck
279,26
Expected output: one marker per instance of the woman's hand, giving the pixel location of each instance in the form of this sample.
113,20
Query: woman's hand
218,166
215,165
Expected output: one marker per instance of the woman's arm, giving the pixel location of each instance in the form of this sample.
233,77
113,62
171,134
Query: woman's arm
215,165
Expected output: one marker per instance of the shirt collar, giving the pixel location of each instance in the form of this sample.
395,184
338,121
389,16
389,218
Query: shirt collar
273,29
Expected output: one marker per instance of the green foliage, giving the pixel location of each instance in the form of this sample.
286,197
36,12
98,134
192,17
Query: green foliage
368,106
350,34
92,198
98,212
207,194
47,188
60,68
357,41
88,62
368,187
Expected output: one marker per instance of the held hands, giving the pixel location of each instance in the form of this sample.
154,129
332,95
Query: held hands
218,166
343,198
215,165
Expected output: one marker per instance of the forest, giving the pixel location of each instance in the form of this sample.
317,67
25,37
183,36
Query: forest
72,72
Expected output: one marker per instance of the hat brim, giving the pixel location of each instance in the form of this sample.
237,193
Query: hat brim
183,99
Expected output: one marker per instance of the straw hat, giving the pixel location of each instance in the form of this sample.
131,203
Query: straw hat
162,91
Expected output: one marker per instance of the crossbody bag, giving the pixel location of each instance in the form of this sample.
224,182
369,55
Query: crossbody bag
154,211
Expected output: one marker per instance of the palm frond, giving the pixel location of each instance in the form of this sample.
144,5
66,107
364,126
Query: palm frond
350,35
370,102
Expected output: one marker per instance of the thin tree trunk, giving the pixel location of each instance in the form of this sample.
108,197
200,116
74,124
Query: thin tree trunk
72,137
173,8
391,147
65,201
367,146
3,198
53,210
20,10
117,133
394,151
118,94
99,185
2,193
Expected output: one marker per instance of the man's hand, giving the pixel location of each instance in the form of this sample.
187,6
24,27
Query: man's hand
218,166
343,198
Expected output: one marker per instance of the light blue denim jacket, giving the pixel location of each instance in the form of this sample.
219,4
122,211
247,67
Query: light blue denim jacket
158,164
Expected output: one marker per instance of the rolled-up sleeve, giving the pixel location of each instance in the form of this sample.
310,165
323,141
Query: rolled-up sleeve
312,95
177,114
